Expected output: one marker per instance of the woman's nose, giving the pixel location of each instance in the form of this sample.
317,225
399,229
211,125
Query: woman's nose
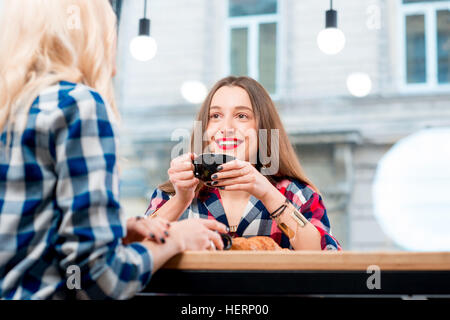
226,132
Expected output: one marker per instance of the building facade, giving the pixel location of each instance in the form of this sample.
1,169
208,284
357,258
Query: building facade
339,138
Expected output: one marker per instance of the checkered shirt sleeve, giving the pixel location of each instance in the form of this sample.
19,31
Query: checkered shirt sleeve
310,204
157,200
59,204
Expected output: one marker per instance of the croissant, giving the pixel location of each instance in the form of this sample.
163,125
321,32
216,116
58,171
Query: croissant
255,243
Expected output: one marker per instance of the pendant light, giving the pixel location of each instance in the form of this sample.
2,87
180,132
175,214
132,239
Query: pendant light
143,47
331,40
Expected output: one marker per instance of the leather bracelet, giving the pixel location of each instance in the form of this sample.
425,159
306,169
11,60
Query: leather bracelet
274,216
277,212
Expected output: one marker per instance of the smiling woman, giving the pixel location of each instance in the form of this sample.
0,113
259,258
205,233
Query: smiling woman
232,123
264,191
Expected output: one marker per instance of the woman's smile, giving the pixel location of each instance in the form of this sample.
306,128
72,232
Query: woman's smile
232,123
228,143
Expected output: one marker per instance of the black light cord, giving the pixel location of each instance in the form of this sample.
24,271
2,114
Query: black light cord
145,9
144,23
331,17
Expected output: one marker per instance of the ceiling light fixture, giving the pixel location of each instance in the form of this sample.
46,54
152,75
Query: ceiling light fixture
143,47
331,40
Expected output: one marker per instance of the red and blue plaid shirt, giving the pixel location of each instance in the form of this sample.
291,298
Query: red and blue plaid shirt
256,220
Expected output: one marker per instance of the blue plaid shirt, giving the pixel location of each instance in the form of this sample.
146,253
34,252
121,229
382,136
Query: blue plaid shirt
59,203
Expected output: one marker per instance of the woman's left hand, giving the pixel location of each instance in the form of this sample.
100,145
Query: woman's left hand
140,228
242,175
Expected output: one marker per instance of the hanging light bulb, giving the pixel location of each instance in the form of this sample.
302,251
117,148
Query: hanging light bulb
359,84
143,47
331,40
194,91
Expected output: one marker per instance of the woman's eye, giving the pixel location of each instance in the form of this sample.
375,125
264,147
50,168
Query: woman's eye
214,116
242,116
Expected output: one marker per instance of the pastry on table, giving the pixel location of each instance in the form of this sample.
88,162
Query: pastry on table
255,243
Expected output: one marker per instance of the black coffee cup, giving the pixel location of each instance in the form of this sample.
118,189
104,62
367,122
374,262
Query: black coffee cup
206,164
227,241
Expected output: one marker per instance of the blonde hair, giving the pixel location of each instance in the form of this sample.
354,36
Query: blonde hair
46,41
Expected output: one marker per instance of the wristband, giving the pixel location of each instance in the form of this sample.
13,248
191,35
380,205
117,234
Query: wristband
290,220
280,210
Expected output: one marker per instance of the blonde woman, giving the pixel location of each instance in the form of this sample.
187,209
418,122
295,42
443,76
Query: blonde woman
59,210
248,198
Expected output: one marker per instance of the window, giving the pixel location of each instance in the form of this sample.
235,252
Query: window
253,36
443,45
425,27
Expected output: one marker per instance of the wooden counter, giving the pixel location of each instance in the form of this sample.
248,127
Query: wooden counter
309,260
290,273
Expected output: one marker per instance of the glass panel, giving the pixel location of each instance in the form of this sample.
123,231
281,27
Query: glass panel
443,45
415,49
251,7
268,55
239,51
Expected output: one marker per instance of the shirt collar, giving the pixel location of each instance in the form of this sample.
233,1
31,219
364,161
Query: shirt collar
212,200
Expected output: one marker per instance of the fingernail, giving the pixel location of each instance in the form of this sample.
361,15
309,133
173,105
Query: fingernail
214,183
219,168
222,188
228,229
162,240
152,236
166,233
214,176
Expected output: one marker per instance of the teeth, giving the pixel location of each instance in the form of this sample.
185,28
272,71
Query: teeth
227,143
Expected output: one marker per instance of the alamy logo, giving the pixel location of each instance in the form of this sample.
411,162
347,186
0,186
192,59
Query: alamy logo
74,20
373,21
74,279
374,281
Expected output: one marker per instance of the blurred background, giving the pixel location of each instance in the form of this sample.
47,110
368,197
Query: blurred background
344,104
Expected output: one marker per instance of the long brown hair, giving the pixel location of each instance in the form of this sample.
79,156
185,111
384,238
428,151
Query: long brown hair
267,118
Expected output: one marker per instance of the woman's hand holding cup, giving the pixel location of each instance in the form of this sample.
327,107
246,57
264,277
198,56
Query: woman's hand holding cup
181,175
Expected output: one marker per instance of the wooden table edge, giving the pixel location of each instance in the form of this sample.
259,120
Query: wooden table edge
310,260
